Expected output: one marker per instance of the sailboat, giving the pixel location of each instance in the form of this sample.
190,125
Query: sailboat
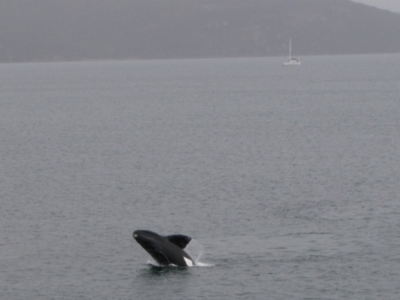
291,60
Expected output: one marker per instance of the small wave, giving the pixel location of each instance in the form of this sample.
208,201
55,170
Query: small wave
153,263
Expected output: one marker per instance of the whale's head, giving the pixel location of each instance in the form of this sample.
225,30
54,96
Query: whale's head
147,239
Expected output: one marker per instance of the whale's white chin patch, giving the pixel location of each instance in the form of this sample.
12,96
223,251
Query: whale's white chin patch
188,261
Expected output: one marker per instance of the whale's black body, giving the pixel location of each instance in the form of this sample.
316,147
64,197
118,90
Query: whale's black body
166,250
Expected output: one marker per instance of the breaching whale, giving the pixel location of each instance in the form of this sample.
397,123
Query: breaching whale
166,250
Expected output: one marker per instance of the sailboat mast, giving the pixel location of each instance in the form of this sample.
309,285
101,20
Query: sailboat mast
291,61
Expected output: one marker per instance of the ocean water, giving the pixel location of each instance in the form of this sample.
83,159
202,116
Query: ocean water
287,176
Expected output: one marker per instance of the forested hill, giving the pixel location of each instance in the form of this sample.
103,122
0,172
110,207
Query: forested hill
49,30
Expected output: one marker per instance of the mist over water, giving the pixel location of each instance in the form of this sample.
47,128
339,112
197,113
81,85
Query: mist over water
287,177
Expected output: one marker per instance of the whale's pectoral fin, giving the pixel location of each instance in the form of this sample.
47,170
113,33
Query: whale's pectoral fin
180,240
161,258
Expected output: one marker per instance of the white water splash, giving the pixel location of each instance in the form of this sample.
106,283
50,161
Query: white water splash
202,264
195,251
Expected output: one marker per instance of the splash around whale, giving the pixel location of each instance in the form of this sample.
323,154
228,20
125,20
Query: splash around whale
169,250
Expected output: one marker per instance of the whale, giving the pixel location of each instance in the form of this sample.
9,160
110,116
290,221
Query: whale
166,250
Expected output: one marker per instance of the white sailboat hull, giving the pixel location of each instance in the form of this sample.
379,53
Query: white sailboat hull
291,61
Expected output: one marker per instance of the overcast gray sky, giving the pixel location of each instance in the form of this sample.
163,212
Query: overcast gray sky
393,5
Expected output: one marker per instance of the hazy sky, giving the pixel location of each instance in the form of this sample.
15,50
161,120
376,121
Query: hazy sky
393,5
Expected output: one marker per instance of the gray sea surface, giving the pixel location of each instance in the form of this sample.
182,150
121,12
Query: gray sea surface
289,177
